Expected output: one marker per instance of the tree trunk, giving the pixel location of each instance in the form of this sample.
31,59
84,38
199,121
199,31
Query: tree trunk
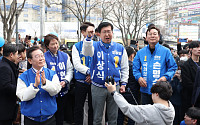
4,32
9,34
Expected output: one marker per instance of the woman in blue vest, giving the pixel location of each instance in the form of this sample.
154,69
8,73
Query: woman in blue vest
60,62
37,88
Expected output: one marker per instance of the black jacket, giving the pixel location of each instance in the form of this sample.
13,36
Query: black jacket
188,73
196,90
8,83
132,82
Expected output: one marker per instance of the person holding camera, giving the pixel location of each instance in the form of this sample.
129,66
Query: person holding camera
60,62
108,59
160,113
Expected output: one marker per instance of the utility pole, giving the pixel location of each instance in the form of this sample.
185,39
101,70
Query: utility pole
17,37
42,18
85,12
78,31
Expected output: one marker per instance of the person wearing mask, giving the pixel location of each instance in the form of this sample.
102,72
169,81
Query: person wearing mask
183,55
160,113
82,75
36,89
8,84
60,62
153,63
188,74
109,59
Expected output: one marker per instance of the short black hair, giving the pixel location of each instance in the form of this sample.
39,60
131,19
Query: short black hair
8,49
149,29
31,50
163,88
48,38
21,48
96,30
35,39
85,25
183,51
104,24
194,44
130,50
151,25
185,46
63,47
167,46
194,113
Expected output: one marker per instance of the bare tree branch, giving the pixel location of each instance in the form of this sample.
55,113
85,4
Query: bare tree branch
9,21
130,19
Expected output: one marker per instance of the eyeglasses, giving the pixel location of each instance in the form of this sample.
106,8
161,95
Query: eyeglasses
106,31
39,56
152,34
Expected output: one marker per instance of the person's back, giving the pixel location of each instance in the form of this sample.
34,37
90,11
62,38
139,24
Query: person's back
156,114
160,113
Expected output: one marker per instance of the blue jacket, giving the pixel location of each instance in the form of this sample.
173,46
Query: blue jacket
106,62
34,108
59,64
182,123
153,66
85,60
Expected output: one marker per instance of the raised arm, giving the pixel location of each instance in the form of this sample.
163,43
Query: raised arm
88,48
77,61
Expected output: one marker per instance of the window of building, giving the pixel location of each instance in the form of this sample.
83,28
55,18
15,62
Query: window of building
25,9
25,15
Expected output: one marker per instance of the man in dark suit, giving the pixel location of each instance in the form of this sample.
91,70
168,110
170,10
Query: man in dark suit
188,73
8,83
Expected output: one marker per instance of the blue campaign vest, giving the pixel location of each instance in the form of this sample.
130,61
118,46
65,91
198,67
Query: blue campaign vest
106,62
58,64
154,66
85,60
43,104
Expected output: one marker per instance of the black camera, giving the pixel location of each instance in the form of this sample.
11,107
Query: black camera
110,79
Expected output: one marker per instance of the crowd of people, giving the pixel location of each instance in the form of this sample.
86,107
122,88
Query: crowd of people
99,82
